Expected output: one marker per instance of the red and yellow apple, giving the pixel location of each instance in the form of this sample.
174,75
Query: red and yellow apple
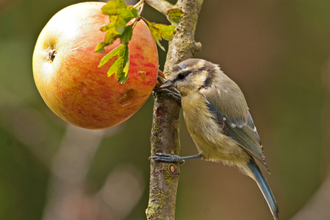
66,73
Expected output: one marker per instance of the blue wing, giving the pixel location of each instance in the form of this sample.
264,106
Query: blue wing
243,131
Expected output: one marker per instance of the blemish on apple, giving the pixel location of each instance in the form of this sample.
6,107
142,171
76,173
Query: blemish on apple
127,97
142,74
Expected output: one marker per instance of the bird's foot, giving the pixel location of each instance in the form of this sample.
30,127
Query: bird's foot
172,93
169,158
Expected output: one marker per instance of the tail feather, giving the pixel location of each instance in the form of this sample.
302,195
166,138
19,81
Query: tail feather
256,174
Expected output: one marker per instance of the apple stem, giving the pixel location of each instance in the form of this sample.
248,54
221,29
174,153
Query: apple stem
139,6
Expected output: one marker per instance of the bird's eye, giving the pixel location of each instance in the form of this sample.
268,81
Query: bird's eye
181,76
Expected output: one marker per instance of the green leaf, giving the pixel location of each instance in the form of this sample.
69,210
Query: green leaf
111,54
107,27
174,15
123,78
113,4
119,65
124,17
100,47
133,11
119,15
120,25
127,34
166,31
161,31
111,36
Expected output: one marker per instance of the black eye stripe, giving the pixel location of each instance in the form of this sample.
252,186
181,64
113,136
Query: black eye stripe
182,75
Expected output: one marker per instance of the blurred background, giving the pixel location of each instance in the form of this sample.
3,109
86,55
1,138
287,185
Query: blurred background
278,52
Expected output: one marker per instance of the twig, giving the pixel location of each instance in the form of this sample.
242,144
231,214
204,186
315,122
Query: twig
160,5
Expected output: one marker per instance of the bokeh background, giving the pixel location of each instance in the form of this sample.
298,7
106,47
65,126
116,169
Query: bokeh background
279,54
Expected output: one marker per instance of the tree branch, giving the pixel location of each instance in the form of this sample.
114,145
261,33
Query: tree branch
160,5
164,177
183,45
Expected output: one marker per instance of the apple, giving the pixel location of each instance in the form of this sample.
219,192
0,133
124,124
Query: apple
66,73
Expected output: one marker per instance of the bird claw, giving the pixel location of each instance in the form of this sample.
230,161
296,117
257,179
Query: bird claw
171,92
167,158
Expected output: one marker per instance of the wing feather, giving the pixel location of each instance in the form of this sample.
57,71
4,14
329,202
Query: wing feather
242,130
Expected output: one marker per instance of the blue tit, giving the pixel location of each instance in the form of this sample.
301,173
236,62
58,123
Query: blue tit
219,121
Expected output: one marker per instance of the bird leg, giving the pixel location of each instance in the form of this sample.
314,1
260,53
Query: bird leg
169,158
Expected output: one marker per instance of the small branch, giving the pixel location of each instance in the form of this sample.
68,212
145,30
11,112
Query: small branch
160,5
183,45
164,177
139,7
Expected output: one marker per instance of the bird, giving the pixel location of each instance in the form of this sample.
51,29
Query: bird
219,122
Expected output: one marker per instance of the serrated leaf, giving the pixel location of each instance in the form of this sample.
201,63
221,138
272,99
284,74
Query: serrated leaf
111,36
121,63
111,54
120,66
159,44
107,27
133,11
174,15
126,13
120,17
166,31
119,14
161,31
113,4
115,67
100,47
127,34
120,25
123,78
113,20
124,18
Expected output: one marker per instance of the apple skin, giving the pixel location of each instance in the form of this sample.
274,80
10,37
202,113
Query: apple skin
66,73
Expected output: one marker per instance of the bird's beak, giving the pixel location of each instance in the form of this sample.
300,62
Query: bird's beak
166,84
